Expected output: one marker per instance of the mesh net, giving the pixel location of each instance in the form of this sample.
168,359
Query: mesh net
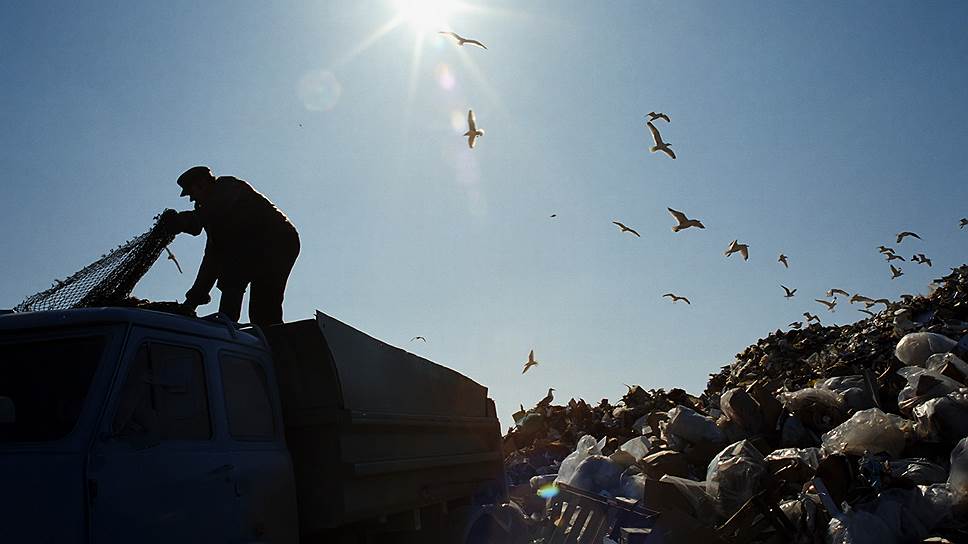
108,281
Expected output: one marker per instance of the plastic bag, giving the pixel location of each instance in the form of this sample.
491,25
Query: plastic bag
734,475
915,348
943,418
587,445
598,474
808,456
917,471
869,430
911,514
694,492
632,484
853,389
958,476
859,528
686,425
940,362
922,385
740,407
818,409
637,447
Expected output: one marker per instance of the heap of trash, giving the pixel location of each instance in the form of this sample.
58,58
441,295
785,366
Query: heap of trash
827,434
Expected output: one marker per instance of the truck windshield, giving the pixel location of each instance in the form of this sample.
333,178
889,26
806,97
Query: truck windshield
43,385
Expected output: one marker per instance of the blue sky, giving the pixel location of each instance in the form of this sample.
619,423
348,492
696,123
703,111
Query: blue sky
818,130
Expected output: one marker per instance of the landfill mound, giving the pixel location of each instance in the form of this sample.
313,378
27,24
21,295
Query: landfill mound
108,281
843,434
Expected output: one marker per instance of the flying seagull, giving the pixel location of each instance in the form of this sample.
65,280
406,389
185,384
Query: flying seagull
964,221
901,235
684,222
419,338
830,305
883,301
676,298
860,298
531,362
789,292
734,247
884,249
461,40
810,317
922,259
653,116
795,325
171,257
833,292
868,312
545,402
625,229
892,257
553,215
896,272
472,131
659,144
783,259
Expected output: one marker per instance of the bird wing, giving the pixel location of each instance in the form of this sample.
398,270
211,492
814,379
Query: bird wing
669,295
664,116
744,250
475,42
633,231
679,216
531,356
669,152
453,34
868,312
471,121
621,226
471,139
655,133
840,291
687,300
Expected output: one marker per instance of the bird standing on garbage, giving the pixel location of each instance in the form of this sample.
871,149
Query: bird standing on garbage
531,362
545,402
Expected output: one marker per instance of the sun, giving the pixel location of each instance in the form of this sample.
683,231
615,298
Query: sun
425,15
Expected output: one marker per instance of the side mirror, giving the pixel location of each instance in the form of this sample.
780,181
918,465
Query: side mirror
8,411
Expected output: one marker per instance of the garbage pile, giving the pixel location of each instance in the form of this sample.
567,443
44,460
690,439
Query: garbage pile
838,434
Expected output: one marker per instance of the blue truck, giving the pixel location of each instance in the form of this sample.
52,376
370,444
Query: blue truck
132,425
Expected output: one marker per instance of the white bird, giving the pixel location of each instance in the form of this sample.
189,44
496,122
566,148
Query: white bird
472,131
653,116
659,144
626,229
531,362
830,305
684,222
896,272
171,257
734,247
462,40
860,298
783,259
833,292
789,292
676,298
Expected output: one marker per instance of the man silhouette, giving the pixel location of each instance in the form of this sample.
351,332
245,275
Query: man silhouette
249,242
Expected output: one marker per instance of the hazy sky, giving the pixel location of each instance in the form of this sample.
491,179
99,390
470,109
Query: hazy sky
818,129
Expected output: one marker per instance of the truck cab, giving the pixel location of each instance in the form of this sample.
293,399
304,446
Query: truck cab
121,425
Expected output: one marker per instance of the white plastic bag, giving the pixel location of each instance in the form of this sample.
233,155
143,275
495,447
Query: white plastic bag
587,445
958,476
637,447
734,475
686,425
922,385
598,474
870,431
915,348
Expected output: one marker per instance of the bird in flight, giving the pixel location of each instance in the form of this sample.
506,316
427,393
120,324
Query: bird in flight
734,247
783,259
868,312
834,292
626,229
964,221
419,338
892,257
829,304
896,272
810,317
676,298
901,235
795,325
171,257
659,144
883,301
789,292
885,249
472,131
553,215
921,258
860,298
684,222
531,362
653,116
462,40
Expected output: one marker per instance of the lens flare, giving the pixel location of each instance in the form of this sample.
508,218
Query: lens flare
548,491
425,15
319,90
458,121
445,78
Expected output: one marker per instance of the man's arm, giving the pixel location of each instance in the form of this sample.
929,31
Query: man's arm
208,273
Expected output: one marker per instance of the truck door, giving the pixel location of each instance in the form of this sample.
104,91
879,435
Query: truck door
157,472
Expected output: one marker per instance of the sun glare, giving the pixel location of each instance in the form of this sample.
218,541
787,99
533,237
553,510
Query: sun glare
425,15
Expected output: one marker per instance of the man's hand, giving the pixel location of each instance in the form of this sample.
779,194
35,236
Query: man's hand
195,298
169,221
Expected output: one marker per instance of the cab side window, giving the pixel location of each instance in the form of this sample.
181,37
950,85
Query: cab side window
247,400
165,395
